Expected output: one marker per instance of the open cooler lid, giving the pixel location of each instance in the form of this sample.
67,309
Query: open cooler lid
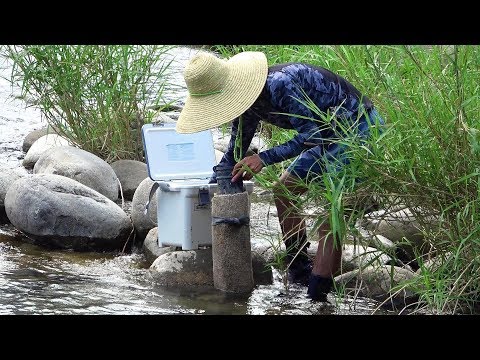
174,156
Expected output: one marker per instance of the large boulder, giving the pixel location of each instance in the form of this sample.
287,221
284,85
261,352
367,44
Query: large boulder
7,178
144,222
40,146
384,284
130,173
59,212
404,229
82,166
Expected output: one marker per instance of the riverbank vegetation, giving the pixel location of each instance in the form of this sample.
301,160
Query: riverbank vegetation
427,158
96,96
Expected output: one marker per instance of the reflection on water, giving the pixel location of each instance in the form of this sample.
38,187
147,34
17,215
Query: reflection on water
35,280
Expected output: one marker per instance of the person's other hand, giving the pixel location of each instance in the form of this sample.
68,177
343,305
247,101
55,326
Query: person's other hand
253,162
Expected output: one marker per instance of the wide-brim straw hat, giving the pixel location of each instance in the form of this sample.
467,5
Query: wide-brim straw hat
220,90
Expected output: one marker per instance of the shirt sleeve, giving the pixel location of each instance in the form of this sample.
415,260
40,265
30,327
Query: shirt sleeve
285,95
249,126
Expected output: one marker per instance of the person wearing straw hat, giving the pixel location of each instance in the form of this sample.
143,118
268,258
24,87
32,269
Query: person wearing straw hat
245,90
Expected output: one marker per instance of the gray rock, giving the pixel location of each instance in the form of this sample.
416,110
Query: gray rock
32,137
369,238
80,165
130,173
151,249
59,212
40,146
355,256
35,135
7,178
184,268
221,140
163,118
142,222
404,230
262,273
378,283
433,263
265,249
195,268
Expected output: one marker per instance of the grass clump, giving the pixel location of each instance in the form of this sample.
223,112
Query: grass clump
98,96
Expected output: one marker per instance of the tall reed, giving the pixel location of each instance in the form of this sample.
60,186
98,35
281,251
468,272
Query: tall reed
97,96
428,157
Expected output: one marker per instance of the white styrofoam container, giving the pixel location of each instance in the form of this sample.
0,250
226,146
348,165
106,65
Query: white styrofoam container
182,164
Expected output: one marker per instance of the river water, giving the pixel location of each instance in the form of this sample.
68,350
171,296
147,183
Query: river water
34,280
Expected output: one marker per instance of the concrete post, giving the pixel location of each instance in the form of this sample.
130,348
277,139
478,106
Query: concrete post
231,249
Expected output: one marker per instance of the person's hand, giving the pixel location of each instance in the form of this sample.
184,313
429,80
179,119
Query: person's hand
250,165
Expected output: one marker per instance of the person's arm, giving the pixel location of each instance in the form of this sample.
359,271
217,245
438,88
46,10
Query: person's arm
285,94
249,126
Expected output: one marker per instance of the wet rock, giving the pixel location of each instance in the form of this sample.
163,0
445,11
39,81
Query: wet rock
265,249
184,268
82,166
130,173
142,222
262,273
195,268
7,178
378,283
59,212
151,249
40,146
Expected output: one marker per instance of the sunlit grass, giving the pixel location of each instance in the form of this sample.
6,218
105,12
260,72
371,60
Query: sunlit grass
96,96
427,157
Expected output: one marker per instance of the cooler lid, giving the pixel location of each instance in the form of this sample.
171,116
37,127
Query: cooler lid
174,156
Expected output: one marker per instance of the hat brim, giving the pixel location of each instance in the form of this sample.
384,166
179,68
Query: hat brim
247,75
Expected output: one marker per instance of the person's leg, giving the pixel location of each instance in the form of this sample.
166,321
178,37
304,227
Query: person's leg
286,192
326,264
329,253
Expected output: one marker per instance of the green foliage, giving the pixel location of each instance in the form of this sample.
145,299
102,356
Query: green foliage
428,157
96,96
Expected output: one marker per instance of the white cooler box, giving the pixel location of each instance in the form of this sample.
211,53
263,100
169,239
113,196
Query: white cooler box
181,165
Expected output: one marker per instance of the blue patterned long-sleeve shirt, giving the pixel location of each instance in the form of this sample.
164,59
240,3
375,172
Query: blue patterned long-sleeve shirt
280,104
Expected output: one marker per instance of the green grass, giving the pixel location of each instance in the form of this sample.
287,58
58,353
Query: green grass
427,158
96,96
